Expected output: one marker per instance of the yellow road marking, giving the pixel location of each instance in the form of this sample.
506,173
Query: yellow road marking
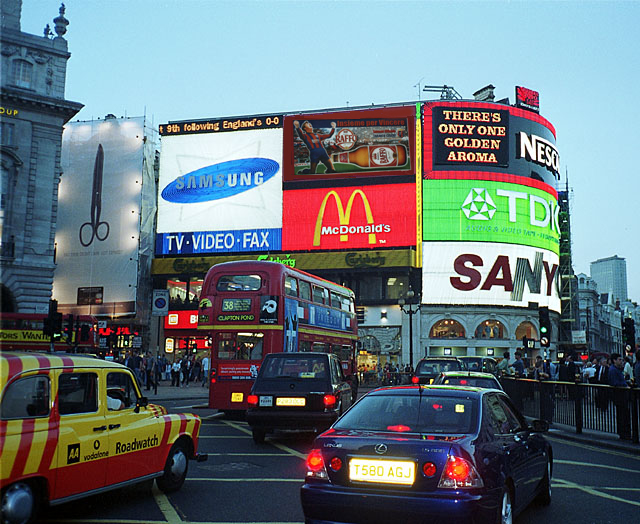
591,491
168,511
592,465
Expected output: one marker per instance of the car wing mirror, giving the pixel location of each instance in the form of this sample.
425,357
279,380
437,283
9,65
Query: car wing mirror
539,426
142,402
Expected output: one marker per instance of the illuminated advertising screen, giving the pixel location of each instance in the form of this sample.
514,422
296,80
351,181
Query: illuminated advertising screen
467,137
349,144
99,208
489,211
527,98
354,217
220,191
480,273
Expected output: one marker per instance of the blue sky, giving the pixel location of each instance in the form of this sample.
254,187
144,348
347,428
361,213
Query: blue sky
188,59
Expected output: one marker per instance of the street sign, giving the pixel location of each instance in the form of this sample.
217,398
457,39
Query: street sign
160,306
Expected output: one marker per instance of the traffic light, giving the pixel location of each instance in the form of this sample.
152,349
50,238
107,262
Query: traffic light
628,334
68,330
53,322
545,326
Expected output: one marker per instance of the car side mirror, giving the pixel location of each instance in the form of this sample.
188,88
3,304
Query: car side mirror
539,426
142,402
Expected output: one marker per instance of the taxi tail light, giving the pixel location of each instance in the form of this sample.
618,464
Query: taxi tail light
459,473
252,400
315,466
329,401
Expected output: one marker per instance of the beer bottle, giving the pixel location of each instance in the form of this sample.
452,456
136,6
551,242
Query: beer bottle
379,156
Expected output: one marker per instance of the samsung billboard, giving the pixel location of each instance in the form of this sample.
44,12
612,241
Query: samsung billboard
478,273
467,137
220,187
489,211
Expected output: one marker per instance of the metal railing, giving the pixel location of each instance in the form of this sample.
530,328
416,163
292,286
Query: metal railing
593,407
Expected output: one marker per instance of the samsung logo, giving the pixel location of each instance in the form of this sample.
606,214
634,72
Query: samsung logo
220,180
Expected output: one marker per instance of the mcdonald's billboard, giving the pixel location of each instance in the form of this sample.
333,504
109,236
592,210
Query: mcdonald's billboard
354,217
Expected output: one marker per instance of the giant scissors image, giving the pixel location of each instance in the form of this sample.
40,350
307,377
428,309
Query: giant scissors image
95,229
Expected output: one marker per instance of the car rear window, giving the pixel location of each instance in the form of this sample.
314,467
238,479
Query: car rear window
303,368
471,381
433,367
430,414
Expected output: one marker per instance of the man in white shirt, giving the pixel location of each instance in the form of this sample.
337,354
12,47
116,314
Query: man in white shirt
205,371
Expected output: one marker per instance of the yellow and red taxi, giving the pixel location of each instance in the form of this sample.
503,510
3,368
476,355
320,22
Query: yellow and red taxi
72,426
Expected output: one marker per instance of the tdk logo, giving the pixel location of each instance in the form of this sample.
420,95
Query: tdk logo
220,180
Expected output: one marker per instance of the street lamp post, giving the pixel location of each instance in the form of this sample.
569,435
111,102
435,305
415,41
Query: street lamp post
410,306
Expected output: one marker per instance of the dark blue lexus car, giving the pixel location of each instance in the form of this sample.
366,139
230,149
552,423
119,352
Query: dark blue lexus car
432,454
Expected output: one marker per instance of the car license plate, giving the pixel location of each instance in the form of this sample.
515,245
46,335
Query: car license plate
382,471
291,401
266,402
237,397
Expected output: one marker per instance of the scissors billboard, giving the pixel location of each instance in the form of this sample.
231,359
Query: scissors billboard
100,205
220,188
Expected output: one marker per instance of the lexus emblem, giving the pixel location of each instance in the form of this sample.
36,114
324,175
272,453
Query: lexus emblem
380,449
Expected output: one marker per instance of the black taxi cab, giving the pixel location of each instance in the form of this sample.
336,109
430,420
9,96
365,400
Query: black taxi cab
73,426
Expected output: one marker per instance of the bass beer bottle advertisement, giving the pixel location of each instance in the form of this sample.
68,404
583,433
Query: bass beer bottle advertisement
349,144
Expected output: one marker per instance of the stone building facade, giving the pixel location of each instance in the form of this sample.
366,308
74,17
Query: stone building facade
33,111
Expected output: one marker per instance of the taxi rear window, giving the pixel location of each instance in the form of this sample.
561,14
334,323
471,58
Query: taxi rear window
28,397
77,393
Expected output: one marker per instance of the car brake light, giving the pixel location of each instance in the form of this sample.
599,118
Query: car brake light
329,401
335,464
252,400
398,427
415,380
315,465
459,473
429,469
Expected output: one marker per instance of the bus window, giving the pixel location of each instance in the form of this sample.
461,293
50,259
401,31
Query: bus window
319,294
291,286
240,346
304,345
335,300
239,283
347,304
342,352
305,290
321,347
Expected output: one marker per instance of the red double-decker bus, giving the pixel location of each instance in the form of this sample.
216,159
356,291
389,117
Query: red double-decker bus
252,308
25,332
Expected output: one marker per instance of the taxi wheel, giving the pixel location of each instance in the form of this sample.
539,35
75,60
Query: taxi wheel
258,435
505,508
19,503
175,470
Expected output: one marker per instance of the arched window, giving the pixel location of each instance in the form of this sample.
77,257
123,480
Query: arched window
22,73
491,329
526,329
447,328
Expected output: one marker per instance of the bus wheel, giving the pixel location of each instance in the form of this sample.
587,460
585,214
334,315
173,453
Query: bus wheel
175,470
258,435
20,503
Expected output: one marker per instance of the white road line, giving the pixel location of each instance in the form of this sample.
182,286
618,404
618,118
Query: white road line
284,448
210,479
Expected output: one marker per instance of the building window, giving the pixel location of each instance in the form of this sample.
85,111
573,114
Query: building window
7,134
447,328
22,73
397,287
526,329
491,329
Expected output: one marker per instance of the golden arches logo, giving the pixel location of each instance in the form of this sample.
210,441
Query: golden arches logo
344,215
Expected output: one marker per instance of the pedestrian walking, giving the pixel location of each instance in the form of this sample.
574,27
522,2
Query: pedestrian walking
205,371
620,396
175,373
